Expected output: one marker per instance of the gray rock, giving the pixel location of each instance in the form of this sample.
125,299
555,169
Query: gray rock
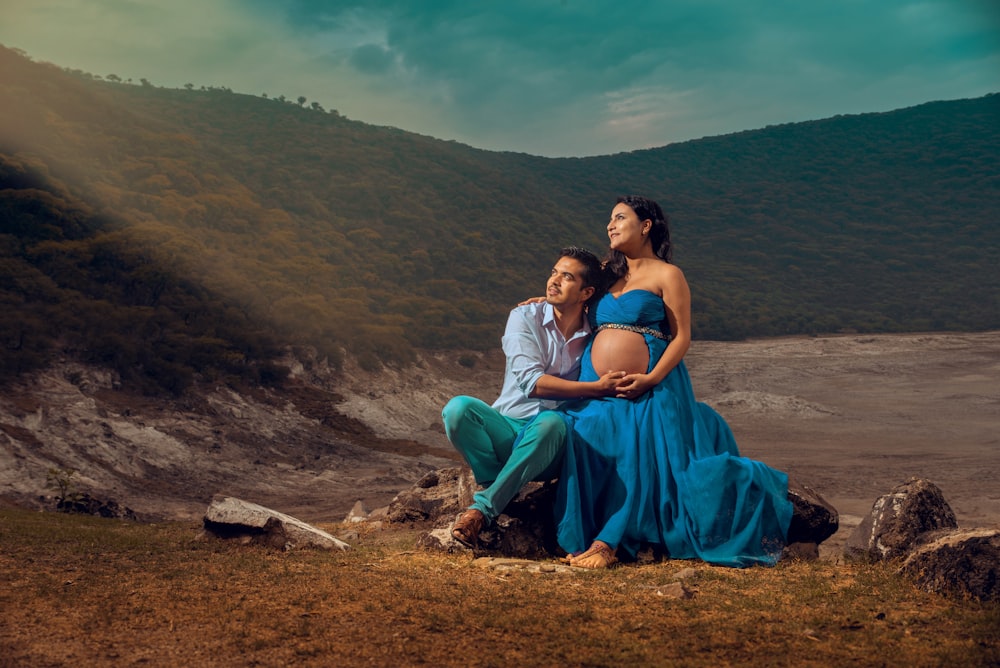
228,517
963,562
897,520
676,590
358,512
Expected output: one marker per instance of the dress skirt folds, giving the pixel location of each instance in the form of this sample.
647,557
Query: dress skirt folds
664,469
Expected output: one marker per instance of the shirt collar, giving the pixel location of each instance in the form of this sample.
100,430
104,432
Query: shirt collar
549,320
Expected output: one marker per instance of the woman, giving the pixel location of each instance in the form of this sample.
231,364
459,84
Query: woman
652,465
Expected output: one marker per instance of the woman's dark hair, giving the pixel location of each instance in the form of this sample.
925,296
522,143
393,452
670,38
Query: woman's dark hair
592,275
616,265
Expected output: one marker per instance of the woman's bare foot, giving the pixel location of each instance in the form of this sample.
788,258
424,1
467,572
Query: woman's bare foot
600,555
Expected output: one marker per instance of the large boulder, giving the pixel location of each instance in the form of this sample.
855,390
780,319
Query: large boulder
897,520
228,517
965,562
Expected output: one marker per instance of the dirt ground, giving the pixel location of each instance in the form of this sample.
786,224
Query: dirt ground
850,415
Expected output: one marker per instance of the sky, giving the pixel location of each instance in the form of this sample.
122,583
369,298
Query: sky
547,77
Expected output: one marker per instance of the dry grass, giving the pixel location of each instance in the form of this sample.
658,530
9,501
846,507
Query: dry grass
85,591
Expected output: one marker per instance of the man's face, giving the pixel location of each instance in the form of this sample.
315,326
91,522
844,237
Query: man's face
565,286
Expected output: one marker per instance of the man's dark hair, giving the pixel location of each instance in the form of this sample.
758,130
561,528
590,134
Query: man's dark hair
592,275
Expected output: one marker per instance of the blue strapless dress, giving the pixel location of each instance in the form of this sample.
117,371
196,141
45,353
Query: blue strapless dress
664,469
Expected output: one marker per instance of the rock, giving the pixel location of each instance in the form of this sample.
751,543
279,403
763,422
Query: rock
228,517
801,552
675,590
88,505
349,535
525,530
358,512
440,493
897,520
814,519
525,565
650,554
440,539
965,562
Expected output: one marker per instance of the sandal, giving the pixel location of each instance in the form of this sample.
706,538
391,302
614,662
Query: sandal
600,555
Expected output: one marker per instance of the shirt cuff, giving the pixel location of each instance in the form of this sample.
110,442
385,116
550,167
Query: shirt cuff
528,381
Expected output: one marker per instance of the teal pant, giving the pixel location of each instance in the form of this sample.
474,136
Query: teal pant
504,453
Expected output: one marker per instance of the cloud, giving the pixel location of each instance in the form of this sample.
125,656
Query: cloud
372,59
551,77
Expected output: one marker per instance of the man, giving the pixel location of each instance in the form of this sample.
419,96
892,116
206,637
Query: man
505,444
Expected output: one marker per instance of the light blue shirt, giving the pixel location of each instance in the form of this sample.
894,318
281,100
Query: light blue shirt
534,347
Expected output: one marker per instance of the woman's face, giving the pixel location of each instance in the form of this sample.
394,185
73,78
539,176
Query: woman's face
625,230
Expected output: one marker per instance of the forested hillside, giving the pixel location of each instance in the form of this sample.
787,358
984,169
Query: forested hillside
175,232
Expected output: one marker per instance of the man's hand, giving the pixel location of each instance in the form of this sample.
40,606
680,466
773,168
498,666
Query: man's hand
607,385
634,385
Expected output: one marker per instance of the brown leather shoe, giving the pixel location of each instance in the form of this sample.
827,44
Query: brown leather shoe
467,527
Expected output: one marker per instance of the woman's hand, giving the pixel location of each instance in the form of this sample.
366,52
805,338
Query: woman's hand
531,300
634,385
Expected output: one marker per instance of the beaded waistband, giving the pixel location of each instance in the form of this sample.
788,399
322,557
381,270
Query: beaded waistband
635,328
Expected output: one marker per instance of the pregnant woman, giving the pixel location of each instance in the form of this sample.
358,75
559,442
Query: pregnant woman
652,465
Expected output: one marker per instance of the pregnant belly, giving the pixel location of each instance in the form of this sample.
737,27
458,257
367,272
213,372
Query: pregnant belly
619,350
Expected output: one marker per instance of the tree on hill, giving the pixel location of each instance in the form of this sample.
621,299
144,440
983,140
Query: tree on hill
345,236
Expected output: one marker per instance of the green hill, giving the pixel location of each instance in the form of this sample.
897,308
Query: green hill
174,232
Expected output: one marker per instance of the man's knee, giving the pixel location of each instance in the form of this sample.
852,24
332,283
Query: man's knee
551,424
457,410
549,430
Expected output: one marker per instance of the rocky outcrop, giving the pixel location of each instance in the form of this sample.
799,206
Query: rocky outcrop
897,521
441,493
228,517
524,531
288,447
962,562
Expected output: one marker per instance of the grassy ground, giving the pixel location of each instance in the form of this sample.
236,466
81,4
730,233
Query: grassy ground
86,591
